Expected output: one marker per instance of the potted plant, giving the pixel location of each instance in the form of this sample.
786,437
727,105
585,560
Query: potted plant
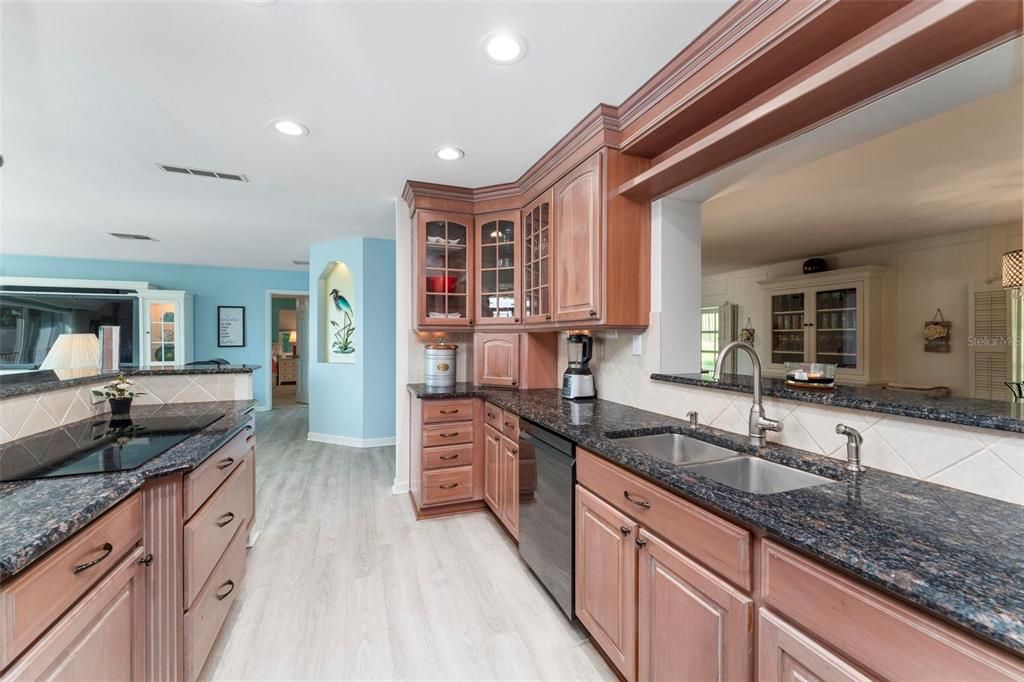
119,394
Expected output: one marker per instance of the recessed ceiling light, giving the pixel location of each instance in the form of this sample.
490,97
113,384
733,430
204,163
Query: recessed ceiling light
292,128
503,47
449,153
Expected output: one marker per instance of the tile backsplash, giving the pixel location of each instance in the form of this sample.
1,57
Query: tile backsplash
982,461
25,415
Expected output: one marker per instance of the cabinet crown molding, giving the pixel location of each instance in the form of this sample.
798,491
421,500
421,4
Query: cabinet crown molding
829,276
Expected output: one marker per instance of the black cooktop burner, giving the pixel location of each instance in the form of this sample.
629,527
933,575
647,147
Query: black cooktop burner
97,445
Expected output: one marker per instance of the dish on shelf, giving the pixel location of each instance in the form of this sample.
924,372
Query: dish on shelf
439,284
811,374
451,316
442,241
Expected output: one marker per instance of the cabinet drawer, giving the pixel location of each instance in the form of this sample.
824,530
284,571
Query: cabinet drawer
208,533
440,457
871,629
447,485
492,416
447,434
33,600
204,620
435,411
510,425
200,483
716,543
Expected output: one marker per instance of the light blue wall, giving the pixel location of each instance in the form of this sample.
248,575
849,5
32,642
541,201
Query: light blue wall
211,286
355,401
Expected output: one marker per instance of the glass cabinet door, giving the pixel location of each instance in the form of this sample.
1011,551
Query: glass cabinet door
496,286
788,331
835,331
537,259
446,269
161,332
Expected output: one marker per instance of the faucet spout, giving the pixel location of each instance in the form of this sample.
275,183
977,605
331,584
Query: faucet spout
758,423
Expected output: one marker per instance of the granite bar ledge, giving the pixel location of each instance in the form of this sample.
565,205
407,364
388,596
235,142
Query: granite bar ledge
27,383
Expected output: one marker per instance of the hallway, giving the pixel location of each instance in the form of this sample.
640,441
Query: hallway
343,583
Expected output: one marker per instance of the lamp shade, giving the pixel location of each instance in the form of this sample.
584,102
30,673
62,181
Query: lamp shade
1013,269
73,351
293,337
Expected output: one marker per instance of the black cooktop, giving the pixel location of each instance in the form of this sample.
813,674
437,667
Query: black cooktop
95,446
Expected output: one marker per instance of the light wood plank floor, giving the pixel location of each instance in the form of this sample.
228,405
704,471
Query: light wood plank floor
344,583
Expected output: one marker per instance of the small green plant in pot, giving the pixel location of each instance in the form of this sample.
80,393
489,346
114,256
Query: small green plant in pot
119,393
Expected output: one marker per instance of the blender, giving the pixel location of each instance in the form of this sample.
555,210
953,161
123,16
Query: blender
577,380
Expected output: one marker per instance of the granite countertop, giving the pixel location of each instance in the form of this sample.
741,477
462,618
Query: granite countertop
36,516
986,414
24,383
954,554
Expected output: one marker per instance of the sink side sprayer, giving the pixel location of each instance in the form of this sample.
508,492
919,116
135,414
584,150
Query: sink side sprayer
758,423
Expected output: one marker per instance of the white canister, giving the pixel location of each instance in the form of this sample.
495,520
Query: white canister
440,364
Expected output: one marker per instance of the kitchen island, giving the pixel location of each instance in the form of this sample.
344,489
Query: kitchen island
951,554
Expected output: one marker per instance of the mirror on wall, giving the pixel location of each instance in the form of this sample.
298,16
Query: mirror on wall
875,243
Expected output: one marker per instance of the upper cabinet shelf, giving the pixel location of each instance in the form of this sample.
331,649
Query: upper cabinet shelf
576,255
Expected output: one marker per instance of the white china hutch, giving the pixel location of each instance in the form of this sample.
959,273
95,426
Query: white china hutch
832,317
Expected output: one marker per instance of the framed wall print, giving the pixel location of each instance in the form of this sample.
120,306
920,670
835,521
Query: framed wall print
230,326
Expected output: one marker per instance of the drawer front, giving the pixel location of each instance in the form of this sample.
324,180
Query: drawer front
34,599
510,425
441,486
204,620
439,411
208,533
200,483
441,457
492,416
447,434
871,629
714,542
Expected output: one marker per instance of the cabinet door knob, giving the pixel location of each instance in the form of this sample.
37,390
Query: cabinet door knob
146,560
547,317
640,542
593,313
625,530
516,320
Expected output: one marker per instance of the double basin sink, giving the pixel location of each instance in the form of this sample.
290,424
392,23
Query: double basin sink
725,466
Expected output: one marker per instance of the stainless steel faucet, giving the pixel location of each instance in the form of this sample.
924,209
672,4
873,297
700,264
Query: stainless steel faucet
758,423
853,443
692,416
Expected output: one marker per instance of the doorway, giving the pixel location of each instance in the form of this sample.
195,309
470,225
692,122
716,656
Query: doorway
288,324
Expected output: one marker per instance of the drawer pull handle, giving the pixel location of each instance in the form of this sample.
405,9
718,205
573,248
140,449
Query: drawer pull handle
449,411
625,530
107,549
248,427
225,463
514,451
226,519
448,486
231,588
643,504
449,435
491,415
448,457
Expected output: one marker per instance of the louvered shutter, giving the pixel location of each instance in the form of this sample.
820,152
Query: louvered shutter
990,350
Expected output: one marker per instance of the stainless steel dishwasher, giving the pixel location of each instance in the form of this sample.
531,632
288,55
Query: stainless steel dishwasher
547,479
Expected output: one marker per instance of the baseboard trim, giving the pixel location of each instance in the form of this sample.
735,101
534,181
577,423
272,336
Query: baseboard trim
260,407
399,487
350,441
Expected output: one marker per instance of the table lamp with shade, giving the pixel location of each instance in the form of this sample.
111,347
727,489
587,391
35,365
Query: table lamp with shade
293,339
73,355
1013,271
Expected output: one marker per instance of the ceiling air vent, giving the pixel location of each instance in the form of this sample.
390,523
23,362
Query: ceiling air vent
133,237
300,262
237,177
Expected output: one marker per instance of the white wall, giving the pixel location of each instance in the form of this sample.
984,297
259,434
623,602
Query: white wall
927,274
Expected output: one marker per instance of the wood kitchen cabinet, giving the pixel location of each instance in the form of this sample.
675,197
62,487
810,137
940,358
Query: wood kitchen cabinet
508,486
691,624
606,561
784,654
496,359
445,281
499,269
538,260
578,242
492,469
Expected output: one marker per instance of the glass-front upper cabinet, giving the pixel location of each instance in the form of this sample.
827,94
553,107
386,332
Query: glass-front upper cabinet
499,298
831,317
538,258
445,256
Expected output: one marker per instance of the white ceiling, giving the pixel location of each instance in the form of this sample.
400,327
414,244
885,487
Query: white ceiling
95,94
942,156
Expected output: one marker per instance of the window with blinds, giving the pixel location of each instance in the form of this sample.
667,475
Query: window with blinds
991,343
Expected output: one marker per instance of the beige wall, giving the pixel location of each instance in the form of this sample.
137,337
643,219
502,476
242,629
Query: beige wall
926,274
